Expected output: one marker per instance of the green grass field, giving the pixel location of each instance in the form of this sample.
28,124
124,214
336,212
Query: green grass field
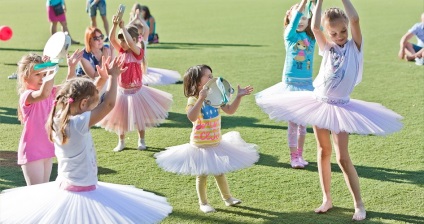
242,41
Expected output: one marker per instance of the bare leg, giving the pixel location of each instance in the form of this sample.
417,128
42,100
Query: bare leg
53,28
322,137
106,24
37,172
341,141
409,52
93,21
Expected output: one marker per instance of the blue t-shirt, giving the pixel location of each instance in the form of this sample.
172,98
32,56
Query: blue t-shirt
418,31
54,2
299,50
91,58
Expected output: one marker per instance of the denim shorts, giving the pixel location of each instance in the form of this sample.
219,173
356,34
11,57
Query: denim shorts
416,47
92,12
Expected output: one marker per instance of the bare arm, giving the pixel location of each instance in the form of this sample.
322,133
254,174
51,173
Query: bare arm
232,108
112,33
152,25
194,111
354,23
72,62
41,94
316,26
98,113
133,45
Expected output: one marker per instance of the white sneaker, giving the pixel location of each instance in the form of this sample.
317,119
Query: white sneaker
206,208
13,76
232,201
119,147
419,61
141,144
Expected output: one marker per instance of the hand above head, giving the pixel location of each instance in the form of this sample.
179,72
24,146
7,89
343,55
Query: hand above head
244,91
45,58
103,73
75,58
116,19
121,24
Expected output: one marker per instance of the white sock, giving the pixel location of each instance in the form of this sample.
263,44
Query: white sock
120,146
141,144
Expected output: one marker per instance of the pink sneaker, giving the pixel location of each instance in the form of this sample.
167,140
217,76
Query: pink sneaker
300,153
295,162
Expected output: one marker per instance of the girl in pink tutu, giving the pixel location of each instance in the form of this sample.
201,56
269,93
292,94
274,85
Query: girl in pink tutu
77,196
299,42
329,108
138,107
208,153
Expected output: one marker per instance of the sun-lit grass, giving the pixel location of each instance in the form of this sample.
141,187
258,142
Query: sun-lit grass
241,41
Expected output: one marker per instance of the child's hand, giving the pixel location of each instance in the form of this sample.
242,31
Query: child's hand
103,73
45,58
203,93
116,66
75,58
121,24
116,19
244,91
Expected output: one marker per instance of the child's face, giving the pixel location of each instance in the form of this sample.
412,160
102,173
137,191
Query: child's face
124,44
35,80
303,23
337,31
206,76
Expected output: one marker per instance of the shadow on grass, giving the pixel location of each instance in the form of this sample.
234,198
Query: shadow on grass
8,115
188,46
377,173
19,49
259,215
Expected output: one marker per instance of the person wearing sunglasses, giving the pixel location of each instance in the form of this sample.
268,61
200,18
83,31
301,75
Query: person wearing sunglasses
93,52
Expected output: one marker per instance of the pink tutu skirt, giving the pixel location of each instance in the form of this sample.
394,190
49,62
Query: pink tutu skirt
158,76
108,203
231,154
354,116
137,110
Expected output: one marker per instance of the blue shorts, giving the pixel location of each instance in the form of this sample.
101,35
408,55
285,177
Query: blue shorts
416,47
92,12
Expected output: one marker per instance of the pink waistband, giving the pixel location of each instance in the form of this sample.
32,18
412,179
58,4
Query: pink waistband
74,188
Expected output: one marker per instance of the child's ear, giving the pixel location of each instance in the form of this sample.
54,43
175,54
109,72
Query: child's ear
83,103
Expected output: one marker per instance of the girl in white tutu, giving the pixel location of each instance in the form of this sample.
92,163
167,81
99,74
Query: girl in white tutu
329,108
76,196
208,153
151,76
299,42
138,107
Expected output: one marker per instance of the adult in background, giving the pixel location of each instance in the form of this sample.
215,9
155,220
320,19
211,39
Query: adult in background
92,7
410,51
56,10
93,52
150,20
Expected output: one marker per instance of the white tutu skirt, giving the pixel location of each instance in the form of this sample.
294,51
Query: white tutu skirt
356,116
159,76
232,153
137,110
109,203
281,88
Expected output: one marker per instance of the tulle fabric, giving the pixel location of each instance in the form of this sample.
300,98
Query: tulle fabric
109,203
137,110
356,116
231,154
159,76
281,88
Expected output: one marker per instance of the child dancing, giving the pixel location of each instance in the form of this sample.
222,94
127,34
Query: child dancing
208,153
77,196
329,108
299,42
137,107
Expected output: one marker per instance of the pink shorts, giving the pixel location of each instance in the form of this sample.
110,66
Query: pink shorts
53,17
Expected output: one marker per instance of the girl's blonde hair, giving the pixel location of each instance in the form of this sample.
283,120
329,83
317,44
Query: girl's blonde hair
192,78
308,29
25,68
71,92
333,14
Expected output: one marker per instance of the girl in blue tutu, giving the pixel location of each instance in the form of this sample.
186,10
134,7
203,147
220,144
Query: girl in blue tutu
329,107
208,153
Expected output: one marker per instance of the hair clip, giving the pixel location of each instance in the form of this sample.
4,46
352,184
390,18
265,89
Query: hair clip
70,100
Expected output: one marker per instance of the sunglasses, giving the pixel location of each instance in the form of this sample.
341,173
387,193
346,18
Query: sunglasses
98,37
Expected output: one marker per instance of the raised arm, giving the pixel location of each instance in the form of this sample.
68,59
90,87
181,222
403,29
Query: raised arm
133,45
316,26
112,33
354,23
72,62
